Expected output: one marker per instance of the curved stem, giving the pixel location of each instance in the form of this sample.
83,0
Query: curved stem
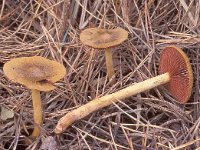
106,100
37,112
109,63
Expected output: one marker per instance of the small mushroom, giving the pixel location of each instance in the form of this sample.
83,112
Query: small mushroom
38,74
175,73
104,39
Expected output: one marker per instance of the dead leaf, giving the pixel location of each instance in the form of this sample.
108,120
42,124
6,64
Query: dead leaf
49,144
6,113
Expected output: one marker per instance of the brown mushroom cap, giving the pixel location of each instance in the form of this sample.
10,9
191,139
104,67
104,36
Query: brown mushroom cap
34,72
103,38
174,61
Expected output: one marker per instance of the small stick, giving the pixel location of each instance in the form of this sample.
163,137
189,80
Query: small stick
106,100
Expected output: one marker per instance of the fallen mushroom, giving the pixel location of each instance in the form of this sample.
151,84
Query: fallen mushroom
104,39
38,74
175,73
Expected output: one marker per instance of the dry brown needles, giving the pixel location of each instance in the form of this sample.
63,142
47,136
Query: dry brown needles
151,120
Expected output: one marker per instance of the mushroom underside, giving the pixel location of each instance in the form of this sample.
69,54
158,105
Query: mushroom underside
176,63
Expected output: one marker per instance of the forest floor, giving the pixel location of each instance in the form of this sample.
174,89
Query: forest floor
152,120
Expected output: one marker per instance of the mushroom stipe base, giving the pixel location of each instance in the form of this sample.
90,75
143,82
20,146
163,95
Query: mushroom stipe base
107,100
37,113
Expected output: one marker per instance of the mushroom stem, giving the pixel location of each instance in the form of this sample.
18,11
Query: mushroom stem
109,63
106,100
37,112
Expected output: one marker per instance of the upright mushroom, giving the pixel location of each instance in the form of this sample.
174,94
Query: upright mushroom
104,39
38,74
175,73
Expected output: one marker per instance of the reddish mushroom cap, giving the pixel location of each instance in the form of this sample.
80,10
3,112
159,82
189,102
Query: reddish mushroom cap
174,61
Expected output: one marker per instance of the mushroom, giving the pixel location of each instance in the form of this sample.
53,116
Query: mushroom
38,74
104,39
175,74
